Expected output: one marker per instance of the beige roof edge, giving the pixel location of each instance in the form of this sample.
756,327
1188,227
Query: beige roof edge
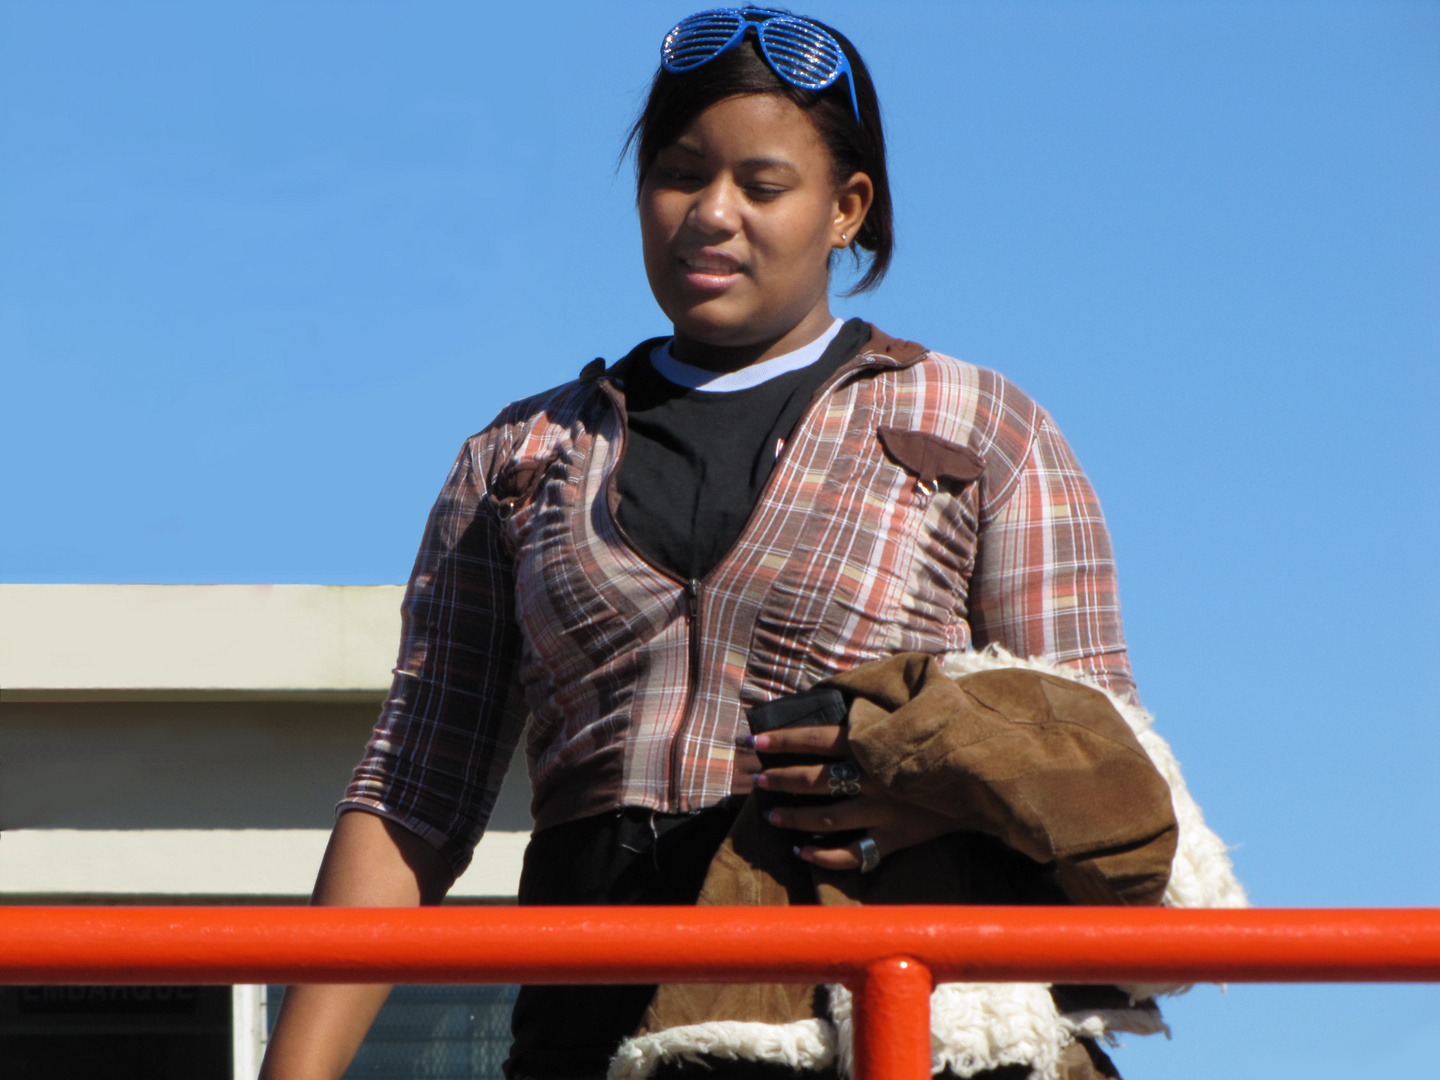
197,642
31,694
191,862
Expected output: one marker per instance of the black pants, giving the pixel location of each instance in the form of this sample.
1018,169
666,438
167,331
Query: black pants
628,857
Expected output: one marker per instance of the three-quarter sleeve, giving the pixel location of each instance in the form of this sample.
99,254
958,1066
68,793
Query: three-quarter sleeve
1044,581
451,723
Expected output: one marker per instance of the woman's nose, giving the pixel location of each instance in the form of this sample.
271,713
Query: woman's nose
715,210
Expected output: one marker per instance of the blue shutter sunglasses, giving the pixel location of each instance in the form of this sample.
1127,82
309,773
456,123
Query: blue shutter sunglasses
801,52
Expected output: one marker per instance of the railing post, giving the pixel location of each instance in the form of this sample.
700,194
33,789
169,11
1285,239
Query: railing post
892,1021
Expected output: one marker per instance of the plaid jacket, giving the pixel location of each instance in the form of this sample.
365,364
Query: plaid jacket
922,504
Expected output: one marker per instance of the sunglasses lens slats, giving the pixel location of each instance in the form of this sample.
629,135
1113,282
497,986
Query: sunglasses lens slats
699,38
802,52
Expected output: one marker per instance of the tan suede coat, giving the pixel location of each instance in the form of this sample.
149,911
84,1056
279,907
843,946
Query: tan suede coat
1054,799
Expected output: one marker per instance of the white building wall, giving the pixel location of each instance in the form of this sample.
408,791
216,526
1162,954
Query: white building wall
190,742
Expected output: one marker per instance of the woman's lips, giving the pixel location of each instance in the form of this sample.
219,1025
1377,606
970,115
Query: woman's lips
710,271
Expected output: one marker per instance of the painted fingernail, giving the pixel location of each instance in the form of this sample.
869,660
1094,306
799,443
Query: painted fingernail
747,741
801,853
773,817
762,781
759,742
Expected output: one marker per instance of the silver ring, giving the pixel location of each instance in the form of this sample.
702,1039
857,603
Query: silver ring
869,854
844,778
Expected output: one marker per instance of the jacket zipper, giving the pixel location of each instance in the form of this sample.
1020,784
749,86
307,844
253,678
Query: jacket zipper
691,586
695,587
693,591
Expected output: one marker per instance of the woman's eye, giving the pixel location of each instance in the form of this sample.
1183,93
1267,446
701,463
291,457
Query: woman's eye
764,192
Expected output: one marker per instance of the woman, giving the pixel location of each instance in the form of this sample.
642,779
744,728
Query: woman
765,499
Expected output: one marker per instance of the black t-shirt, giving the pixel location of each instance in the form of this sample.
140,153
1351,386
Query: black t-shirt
696,460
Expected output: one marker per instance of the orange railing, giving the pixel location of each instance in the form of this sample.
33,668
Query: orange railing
888,955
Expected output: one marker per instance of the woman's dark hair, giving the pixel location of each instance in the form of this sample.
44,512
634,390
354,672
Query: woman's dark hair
675,101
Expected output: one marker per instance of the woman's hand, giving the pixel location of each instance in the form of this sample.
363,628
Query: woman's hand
891,823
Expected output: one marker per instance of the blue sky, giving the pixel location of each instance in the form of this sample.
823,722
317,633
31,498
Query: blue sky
264,266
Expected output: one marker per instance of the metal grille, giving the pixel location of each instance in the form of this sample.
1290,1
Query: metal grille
433,1033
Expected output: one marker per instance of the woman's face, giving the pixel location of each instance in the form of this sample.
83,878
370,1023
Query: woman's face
738,218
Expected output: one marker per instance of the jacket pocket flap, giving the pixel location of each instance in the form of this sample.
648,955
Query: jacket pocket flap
518,482
930,457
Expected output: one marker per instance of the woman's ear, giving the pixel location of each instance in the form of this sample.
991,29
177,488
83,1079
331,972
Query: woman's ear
852,203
